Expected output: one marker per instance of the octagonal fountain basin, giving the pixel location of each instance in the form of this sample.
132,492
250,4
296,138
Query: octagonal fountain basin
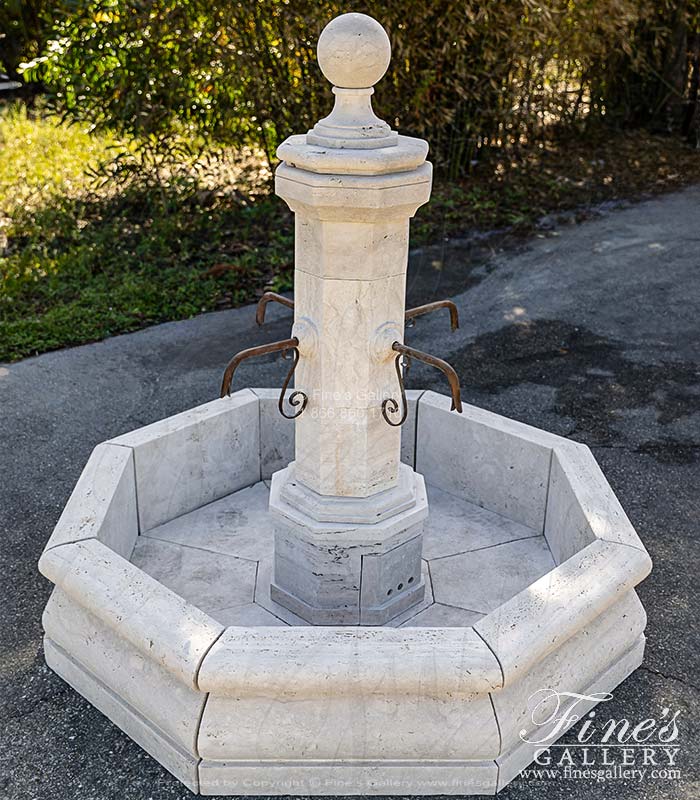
162,618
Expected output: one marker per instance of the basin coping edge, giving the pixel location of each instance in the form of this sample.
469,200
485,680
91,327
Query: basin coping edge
158,622
190,416
90,512
342,661
539,619
493,420
604,513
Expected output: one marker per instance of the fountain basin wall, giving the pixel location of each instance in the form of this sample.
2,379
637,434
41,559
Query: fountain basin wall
249,699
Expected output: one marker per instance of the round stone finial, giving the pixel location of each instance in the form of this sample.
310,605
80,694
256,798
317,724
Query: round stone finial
353,51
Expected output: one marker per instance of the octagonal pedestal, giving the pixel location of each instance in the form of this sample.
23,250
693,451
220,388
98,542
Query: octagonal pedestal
348,560
162,615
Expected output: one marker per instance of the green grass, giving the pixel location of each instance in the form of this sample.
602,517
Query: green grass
78,264
42,159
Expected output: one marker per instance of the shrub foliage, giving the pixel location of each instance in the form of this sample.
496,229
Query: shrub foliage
465,75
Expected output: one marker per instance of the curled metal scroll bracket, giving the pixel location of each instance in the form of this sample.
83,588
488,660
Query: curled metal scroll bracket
408,353
390,406
296,398
284,346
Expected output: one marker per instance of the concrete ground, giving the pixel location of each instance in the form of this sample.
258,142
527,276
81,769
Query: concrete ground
591,331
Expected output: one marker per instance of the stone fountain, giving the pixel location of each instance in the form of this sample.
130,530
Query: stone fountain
346,588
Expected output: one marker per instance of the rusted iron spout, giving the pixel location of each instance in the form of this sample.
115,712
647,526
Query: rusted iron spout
252,352
418,311
270,297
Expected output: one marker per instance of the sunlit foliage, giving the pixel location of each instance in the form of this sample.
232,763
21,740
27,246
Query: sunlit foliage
464,75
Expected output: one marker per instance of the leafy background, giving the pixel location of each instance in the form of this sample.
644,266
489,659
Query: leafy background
465,75
137,156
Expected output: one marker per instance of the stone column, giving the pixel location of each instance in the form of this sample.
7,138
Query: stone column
348,541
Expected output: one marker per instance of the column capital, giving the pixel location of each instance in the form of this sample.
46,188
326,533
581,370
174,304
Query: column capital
366,198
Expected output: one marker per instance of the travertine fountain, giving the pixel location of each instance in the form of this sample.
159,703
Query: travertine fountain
344,588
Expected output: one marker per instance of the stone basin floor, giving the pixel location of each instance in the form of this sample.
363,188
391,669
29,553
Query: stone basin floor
219,558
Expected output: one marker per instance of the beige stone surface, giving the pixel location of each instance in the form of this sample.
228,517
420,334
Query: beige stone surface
424,728
276,434
348,251
184,461
567,528
408,429
350,284
439,615
405,159
377,187
538,620
236,525
404,619
182,763
347,572
151,691
457,526
511,763
582,507
575,664
341,509
141,610
333,662
250,615
344,446
512,567
489,460
216,583
349,778
353,51
103,503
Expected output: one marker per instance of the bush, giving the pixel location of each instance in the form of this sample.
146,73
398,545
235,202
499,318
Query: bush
464,75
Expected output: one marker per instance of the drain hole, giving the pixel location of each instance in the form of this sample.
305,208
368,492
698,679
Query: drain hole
410,580
399,587
389,592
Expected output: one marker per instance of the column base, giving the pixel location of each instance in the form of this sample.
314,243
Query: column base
345,572
378,615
